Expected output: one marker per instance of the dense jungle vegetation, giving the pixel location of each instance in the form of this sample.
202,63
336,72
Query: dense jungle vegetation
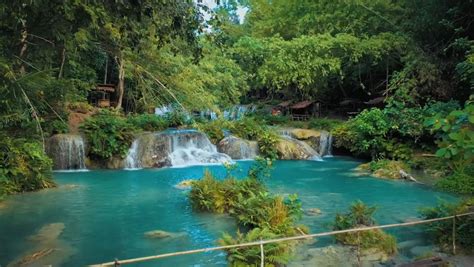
417,55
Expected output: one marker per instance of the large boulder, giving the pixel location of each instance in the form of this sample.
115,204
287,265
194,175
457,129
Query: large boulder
238,148
305,134
290,148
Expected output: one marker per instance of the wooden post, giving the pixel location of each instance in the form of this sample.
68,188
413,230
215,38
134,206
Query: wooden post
358,249
262,256
454,235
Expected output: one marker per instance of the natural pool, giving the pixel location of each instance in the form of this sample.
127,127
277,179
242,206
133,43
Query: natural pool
106,213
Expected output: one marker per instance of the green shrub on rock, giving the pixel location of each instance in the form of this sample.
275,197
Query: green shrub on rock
442,231
263,214
108,134
361,215
23,166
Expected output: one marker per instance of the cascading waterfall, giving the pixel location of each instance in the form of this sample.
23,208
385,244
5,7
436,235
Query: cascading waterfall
190,147
67,152
132,161
325,144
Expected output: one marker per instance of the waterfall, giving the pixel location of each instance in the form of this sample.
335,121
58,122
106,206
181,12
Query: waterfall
190,147
132,161
67,152
325,144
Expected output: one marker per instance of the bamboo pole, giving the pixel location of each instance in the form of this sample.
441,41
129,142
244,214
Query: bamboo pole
262,255
282,239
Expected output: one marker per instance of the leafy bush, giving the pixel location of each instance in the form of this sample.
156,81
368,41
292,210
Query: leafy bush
23,166
457,134
360,215
276,254
441,231
108,135
247,128
324,123
148,122
365,134
214,129
461,182
265,215
177,118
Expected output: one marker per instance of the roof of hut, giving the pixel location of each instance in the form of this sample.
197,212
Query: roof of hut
349,101
284,104
105,87
376,101
302,104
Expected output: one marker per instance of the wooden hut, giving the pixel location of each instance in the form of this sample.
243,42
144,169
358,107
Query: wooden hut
376,102
282,108
305,109
100,96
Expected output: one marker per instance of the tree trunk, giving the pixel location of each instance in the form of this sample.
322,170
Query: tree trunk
63,60
24,46
121,83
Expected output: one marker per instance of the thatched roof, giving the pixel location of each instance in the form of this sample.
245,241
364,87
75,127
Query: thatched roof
302,104
350,101
376,101
285,104
105,87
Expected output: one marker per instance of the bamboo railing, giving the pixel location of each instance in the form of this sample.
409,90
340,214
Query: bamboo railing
292,238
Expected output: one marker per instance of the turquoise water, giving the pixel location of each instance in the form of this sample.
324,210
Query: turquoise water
106,213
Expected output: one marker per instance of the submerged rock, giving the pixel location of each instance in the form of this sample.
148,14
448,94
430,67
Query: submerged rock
341,256
313,212
160,234
186,184
49,250
48,232
238,148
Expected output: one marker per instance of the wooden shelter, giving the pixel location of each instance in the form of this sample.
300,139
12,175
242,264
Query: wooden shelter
282,108
305,109
376,102
100,96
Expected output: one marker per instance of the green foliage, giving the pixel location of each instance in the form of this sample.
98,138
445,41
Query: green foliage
148,122
108,134
365,134
276,254
214,129
460,181
23,166
248,128
324,124
441,231
457,135
360,215
265,215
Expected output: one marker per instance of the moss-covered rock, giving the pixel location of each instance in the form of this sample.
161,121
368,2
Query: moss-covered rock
288,148
238,148
390,169
305,134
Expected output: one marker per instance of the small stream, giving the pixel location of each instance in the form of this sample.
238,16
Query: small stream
106,213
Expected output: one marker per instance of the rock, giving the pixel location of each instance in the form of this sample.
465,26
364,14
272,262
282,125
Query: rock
238,148
289,148
341,256
313,212
420,250
186,184
48,249
48,232
305,134
160,234
409,244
